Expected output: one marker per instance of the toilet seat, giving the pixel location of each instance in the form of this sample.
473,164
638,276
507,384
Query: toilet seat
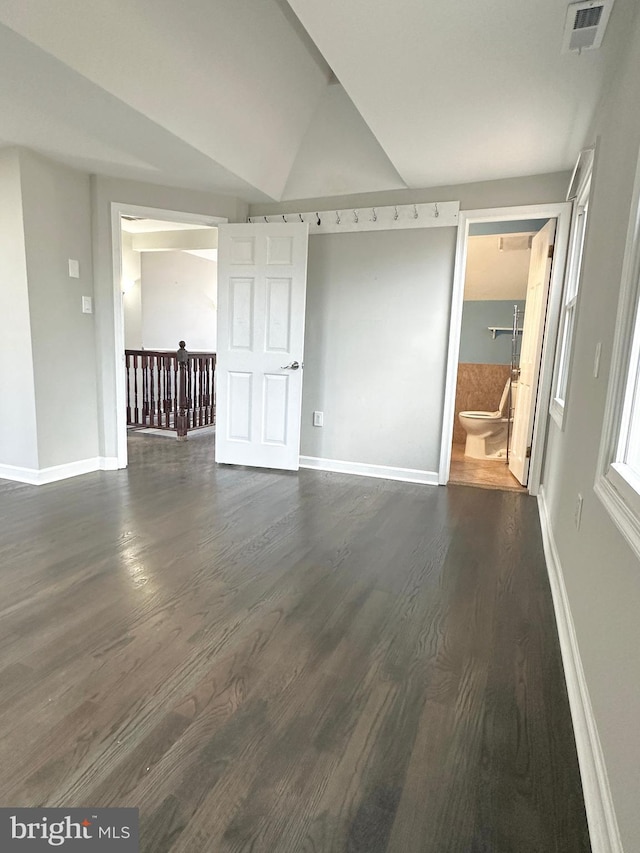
486,416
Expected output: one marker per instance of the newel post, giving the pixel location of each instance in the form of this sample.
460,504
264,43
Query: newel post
182,421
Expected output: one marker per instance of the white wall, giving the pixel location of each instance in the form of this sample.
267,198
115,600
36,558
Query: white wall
132,297
57,224
179,297
18,436
601,573
104,192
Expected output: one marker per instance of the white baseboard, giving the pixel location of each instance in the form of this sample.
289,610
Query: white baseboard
41,476
361,469
108,463
603,826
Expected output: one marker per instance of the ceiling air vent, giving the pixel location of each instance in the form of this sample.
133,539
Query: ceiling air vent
585,25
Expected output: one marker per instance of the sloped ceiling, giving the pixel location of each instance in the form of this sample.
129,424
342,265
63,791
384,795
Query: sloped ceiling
240,96
461,91
495,274
339,154
230,79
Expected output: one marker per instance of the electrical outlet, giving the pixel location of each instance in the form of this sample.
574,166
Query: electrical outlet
87,305
577,514
74,268
318,419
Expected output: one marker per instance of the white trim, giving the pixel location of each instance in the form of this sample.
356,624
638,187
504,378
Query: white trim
41,476
614,494
581,174
108,463
556,410
601,817
578,196
455,328
561,212
626,323
119,209
362,469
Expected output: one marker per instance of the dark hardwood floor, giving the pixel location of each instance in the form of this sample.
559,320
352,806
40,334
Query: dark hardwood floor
266,662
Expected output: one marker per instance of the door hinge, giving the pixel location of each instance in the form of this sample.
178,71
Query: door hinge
551,247
528,453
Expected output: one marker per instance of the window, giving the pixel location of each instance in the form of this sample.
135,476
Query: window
578,192
618,481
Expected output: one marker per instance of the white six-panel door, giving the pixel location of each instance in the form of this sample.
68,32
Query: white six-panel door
531,350
262,276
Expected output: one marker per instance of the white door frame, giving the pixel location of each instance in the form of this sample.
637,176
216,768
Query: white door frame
119,209
561,211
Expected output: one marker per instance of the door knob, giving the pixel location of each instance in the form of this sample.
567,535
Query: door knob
293,365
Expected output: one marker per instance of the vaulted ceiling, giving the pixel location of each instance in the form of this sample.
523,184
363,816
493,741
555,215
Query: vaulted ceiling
269,99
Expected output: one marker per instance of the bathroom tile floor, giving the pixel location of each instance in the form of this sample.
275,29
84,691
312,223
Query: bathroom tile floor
485,473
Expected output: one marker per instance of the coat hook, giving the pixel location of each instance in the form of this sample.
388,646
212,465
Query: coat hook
265,219
355,216
284,219
319,221
301,219
337,218
415,212
437,211
395,215
375,215
249,220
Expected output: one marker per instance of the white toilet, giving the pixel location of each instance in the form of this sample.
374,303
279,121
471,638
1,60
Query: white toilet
487,431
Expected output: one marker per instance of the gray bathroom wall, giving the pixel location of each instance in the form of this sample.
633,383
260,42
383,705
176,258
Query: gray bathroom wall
377,325
477,345
477,229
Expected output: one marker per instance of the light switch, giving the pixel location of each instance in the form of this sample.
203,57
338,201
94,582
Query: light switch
74,268
87,305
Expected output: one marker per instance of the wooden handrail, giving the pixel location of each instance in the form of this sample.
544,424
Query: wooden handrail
152,383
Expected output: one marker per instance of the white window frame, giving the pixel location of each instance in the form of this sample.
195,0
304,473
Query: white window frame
579,189
617,483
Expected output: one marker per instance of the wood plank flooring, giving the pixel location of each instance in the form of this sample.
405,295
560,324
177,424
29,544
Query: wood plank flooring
266,662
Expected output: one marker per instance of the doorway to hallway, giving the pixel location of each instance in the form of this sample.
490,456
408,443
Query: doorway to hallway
165,292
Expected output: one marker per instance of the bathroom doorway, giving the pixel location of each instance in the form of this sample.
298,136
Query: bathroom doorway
497,293
531,410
